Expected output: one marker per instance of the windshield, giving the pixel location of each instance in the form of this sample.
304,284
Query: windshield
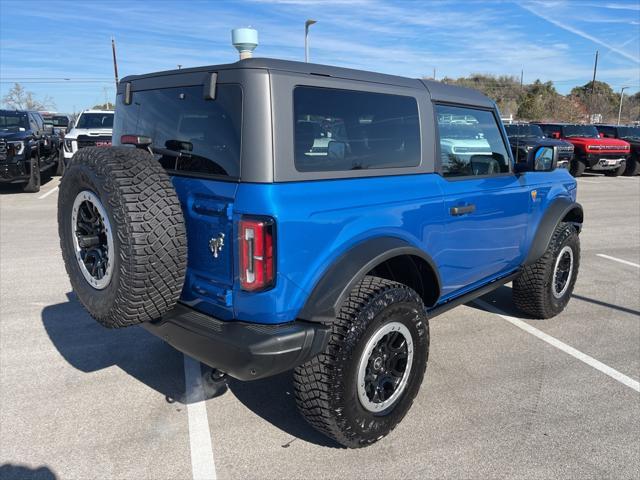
460,131
588,131
13,121
524,131
629,132
60,121
95,120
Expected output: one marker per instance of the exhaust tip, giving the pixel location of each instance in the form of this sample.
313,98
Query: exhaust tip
245,40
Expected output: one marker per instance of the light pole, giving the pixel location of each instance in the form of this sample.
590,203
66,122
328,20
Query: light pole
307,24
620,109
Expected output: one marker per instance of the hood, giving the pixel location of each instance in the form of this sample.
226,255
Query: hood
92,132
527,141
10,136
608,144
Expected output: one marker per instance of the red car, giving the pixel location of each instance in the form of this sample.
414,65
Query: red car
591,150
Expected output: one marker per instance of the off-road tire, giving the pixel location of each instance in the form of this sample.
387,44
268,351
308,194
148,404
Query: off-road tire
633,166
576,168
60,164
35,176
326,386
149,238
532,290
617,171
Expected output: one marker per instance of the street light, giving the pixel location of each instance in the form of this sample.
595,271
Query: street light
307,24
620,109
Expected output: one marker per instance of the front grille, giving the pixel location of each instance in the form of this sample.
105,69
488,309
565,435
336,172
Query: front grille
87,141
3,147
606,147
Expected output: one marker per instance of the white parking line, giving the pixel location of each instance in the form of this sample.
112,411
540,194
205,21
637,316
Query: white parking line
203,466
619,260
53,190
583,357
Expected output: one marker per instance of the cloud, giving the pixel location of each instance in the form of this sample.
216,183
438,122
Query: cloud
580,33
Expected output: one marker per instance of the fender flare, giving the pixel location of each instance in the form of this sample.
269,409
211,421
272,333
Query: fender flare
324,302
555,213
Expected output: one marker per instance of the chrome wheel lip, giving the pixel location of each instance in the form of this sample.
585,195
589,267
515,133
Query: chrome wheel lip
367,404
566,251
87,196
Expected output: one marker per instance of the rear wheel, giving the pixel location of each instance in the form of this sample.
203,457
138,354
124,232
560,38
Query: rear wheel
577,168
616,172
364,383
545,287
122,235
33,185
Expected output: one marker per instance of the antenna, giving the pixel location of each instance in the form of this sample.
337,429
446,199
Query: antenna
245,40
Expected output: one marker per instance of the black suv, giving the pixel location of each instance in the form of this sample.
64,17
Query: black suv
25,148
628,134
524,137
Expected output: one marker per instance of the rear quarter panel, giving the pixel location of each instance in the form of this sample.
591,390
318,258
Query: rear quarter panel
318,221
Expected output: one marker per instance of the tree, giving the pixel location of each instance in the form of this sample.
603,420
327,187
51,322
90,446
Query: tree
104,106
19,99
603,100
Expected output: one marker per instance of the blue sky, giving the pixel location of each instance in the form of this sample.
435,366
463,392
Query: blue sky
42,43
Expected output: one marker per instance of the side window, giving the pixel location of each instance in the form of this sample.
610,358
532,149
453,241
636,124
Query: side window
470,142
189,133
338,130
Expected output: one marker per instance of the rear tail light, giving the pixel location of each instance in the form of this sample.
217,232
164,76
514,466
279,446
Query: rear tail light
257,262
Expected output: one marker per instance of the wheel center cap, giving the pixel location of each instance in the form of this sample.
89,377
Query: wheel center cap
377,363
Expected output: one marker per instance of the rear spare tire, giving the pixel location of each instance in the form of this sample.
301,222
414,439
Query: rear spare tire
122,235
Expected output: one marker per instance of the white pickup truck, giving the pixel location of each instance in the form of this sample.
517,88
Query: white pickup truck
93,128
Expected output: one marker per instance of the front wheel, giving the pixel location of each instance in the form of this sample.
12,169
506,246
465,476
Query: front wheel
60,167
633,166
616,172
545,287
576,168
365,381
33,185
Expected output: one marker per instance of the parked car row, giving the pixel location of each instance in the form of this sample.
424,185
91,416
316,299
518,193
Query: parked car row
36,143
609,149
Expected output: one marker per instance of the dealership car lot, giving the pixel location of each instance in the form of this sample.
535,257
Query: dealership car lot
81,401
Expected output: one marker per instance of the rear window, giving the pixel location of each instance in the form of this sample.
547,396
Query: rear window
189,134
338,130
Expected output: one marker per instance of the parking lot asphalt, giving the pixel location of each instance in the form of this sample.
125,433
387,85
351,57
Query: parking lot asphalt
78,401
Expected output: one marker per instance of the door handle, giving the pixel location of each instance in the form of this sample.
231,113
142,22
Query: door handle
462,210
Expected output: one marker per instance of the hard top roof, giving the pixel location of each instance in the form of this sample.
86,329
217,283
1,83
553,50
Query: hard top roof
439,91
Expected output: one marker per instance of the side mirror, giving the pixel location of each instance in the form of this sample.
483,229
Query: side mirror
555,135
542,158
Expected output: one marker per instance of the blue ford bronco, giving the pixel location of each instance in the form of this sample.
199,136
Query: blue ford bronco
269,215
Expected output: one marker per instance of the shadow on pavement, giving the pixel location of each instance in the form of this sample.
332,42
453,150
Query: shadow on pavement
273,400
9,471
605,304
16,188
501,299
89,347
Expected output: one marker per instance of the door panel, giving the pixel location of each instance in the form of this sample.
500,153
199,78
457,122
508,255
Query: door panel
486,229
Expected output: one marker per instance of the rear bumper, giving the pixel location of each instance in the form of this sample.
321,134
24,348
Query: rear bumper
246,351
